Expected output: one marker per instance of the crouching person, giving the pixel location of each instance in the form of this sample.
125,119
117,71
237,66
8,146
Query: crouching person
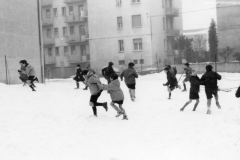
116,94
194,90
92,82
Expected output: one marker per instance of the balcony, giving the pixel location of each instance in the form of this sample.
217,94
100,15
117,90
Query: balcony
73,39
46,3
73,1
173,32
47,22
74,19
173,12
48,42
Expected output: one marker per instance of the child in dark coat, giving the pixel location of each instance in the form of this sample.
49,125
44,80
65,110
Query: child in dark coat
79,77
194,90
116,94
171,81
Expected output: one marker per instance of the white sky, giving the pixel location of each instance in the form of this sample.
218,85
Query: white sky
198,19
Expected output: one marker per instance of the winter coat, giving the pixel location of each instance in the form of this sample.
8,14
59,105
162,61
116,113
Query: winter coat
188,71
30,70
79,76
209,79
107,71
114,89
92,81
22,73
129,75
195,82
171,79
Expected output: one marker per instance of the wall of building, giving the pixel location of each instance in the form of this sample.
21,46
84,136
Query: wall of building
104,33
19,37
228,25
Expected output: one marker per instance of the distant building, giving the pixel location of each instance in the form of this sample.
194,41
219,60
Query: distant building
228,25
19,38
97,32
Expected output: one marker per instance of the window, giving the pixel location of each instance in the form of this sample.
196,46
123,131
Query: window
119,2
56,32
121,46
55,12
82,30
49,34
163,23
137,44
83,50
48,14
57,51
136,21
121,62
64,30
73,51
72,32
119,22
49,51
70,10
135,1
63,11
66,50
135,61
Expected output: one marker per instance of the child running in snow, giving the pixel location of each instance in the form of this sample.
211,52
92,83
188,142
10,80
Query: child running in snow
92,80
116,94
194,90
171,83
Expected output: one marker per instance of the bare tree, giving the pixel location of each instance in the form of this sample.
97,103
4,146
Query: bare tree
226,52
199,44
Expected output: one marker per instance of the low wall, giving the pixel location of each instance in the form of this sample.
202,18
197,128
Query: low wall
230,67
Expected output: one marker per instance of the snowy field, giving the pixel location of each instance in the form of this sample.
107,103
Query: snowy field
56,123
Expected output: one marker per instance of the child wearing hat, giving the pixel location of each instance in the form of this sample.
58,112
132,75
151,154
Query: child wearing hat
194,90
116,94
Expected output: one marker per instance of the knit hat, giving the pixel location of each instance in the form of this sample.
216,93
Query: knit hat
186,64
131,64
209,67
110,63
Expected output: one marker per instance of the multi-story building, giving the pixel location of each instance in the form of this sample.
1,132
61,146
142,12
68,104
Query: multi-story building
140,31
228,22
133,30
19,36
65,36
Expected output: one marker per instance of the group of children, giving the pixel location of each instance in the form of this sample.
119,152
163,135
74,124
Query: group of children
209,80
91,80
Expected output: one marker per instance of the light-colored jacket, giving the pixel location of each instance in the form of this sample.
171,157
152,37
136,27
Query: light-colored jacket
92,81
30,70
114,89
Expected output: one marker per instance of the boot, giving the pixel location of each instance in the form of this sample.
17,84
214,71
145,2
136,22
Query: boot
86,88
77,86
169,95
32,88
218,105
105,106
125,117
185,89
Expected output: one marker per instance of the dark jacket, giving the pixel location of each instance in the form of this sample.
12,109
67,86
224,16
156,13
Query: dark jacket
79,76
129,75
107,71
209,79
171,79
195,82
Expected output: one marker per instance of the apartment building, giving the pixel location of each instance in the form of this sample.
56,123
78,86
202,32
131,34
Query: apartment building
65,36
19,38
228,22
121,31
139,31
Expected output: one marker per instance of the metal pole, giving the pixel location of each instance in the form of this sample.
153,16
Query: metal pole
6,69
40,42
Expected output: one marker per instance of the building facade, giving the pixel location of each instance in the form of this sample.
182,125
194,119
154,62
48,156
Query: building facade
228,25
65,36
19,39
97,32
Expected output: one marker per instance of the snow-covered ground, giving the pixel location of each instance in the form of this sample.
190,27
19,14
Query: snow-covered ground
56,123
